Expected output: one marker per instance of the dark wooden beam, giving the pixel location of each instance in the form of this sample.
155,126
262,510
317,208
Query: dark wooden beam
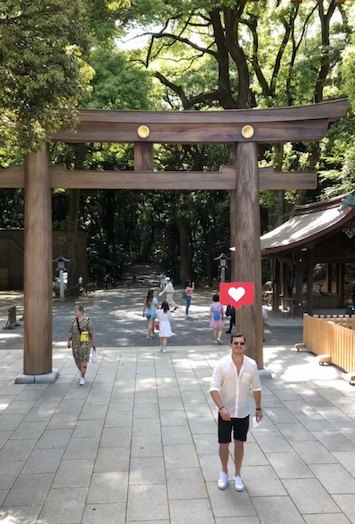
310,267
13,177
271,125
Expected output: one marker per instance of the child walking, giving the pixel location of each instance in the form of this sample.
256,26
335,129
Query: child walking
165,332
217,319
150,312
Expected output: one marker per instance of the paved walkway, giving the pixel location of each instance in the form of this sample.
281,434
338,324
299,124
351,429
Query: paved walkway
117,319
137,444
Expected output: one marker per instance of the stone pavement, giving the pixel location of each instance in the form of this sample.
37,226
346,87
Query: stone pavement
137,444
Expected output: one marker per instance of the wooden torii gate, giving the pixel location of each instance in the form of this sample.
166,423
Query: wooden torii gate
243,128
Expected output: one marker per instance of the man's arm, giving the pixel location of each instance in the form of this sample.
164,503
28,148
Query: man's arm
163,291
215,387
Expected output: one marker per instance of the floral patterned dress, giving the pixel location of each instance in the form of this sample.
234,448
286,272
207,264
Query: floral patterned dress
81,350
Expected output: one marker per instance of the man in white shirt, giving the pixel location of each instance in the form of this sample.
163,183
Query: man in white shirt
169,290
230,383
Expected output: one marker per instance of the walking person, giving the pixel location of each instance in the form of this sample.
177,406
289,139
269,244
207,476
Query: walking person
230,312
169,290
187,294
217,319
150,312
165,332
81,338
232,377
162,278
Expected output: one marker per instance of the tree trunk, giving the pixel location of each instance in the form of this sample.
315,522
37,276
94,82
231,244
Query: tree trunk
184,249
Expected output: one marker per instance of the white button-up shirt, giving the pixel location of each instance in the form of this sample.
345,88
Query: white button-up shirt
233,388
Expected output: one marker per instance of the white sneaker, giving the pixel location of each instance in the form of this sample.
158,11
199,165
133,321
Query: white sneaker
164,350
238,483
82,381
223,480
219,341
215,342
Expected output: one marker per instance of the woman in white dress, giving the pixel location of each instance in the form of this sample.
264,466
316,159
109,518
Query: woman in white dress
165,332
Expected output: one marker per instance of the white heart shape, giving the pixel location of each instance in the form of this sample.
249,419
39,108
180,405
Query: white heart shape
236,293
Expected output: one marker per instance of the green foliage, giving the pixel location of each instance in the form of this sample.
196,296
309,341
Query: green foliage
42,70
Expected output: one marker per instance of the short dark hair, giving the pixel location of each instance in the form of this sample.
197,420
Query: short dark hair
216,297
237,335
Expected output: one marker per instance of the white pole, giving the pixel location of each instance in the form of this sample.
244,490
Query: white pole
61,286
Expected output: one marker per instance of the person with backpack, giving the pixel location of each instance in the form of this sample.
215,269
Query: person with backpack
216,318
187,293
81,339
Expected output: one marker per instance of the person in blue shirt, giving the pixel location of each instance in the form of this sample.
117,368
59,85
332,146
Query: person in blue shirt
150,312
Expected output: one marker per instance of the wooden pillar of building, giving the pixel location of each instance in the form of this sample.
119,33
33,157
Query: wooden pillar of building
247,246
38,271
298,284
310,267
276,285
284,288
342,283
328,278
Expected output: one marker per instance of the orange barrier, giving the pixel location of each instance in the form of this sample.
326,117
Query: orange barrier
333,336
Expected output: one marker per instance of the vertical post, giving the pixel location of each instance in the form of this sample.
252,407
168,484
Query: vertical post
310,267
285,279
337,279
223,274
328,278
342,283
276,285
247,245
298,285
61,285
143,156
38,271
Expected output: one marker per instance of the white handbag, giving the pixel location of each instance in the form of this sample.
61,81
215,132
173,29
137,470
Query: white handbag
94,358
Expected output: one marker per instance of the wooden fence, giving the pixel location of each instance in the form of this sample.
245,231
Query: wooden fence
333,336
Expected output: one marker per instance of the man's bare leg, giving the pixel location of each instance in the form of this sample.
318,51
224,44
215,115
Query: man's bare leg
238,456
223,455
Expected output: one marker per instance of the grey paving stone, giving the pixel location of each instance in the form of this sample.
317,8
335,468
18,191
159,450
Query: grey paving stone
82,448
148,502
19,407
180,456
347,459
171,404
313,453
17,450
43,461
271,510
147,470
238,520
93,412
211,467
314,423
146,446
74,474
332,414
63,506
289,465
144,411
310,496
198,410
176,435
347,429
146,397
262,481
202,425
295,432
185,483
88,429
229,503
280,415
115,438
253,456
173,418
63,421
71,406
108,487
272,441
335,478
9,471
41,413
54,438
29,490
10,422
29,430
193,511
347,505
166,391
104,514
20,514
334,518
112,459
120,420
334,440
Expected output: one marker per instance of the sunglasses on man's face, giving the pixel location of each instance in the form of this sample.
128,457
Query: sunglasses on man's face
239,343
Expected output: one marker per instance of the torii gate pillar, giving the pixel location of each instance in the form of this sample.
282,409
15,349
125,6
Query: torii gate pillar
247,246
38,272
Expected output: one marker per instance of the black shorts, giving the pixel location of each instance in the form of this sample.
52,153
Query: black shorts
240,429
